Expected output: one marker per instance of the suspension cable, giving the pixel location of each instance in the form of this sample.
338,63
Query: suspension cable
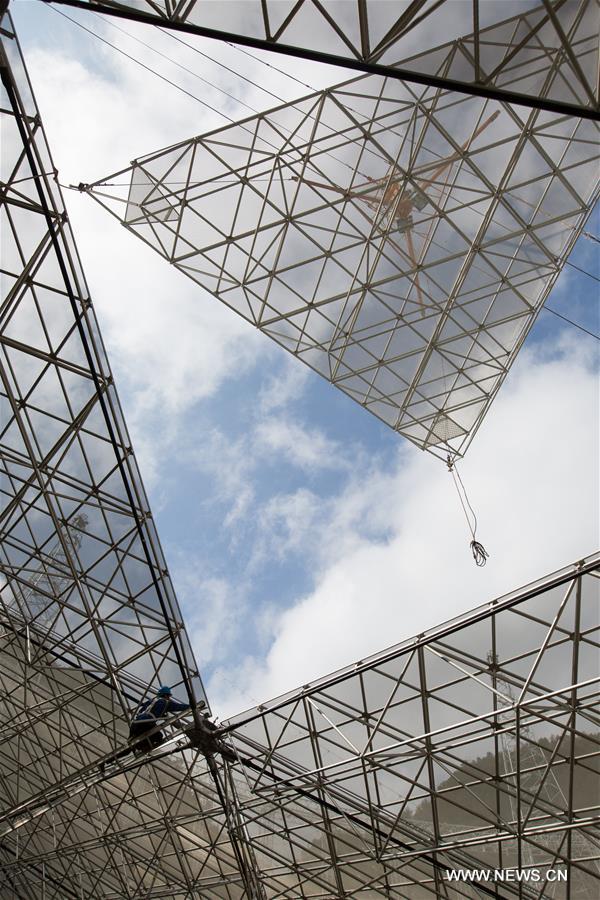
223,66
183,90
180,65
271,66
267,91
591,237
480,554
570,321
207,81
583,271
143,65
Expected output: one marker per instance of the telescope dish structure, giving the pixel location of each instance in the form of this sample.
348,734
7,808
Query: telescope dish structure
374,781
80,559
400,242
372,36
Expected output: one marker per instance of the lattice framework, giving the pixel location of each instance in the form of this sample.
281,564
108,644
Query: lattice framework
370,782
402,755
79,548
374,36
400,242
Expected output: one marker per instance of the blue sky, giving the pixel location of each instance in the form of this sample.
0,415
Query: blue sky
300,532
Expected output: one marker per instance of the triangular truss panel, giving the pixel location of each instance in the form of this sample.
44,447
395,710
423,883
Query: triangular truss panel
80,560
68,829
399,242
505,59
475,746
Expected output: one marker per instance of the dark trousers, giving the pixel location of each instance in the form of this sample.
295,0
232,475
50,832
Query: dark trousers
138,729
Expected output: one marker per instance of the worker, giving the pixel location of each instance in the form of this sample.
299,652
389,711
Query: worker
147,716
146,720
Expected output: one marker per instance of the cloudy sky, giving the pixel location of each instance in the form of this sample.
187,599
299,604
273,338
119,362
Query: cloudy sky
301,533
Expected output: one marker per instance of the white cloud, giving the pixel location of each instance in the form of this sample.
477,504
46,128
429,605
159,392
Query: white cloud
532,475
287,523
237,464
302,446
229,464
284,387
319,528
211,611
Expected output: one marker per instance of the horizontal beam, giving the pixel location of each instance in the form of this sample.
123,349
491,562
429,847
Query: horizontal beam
332,59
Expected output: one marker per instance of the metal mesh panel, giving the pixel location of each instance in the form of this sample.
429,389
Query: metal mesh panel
398,241
80,559
376,35
475,746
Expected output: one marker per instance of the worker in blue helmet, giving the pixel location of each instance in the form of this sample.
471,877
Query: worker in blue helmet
148,716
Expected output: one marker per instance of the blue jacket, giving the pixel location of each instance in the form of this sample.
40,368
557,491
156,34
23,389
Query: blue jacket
158,708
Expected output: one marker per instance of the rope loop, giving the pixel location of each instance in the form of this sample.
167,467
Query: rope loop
480,554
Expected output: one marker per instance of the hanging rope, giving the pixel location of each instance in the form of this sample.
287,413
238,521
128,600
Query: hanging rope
480,554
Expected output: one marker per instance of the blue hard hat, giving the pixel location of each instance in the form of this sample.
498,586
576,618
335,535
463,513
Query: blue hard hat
164,691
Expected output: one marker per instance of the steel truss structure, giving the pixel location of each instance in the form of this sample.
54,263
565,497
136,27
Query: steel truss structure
372,36
476,744
383,776
400,242
79,551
